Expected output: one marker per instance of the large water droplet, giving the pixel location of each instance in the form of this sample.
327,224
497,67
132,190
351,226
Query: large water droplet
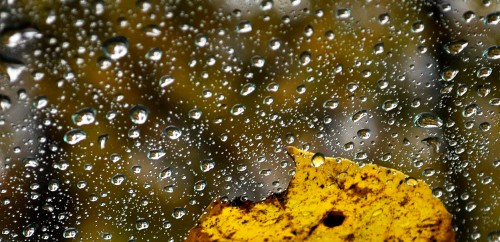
427,120
455,47
207,165
492,52
172,132
118,179
70,233
200,185
139,114
238,109
178,212
247,89
318,159
116,47
84,116
74,136
156,154
244,27
5,103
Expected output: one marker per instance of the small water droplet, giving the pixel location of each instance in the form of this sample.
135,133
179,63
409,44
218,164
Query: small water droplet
30,230
165,173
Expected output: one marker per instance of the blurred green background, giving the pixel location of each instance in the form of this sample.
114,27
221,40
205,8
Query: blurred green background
345,78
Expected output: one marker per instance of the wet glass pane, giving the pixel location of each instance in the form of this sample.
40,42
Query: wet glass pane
122,120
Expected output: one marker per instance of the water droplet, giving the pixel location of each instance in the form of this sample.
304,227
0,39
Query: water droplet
84,116
200,185
359,115
40,102
30,162
456,47
244,27
247,89
70,233
207,165
139,114
172,132
417,27
195,114
343,13
318,159
30,230
468,16
5,103
201,40
151,31
258,61
384,18
494,102
449,74
273,87
364,133
141,224
492,53
166,80
492,18
274,44
53,185
427,120
74,136
19,37
484,126
470,110
165,173
156,154
178,213
331,104
305,58
433,143
378,48
116,47
238,109
154,54
494,236
389,105
484,72
118,179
